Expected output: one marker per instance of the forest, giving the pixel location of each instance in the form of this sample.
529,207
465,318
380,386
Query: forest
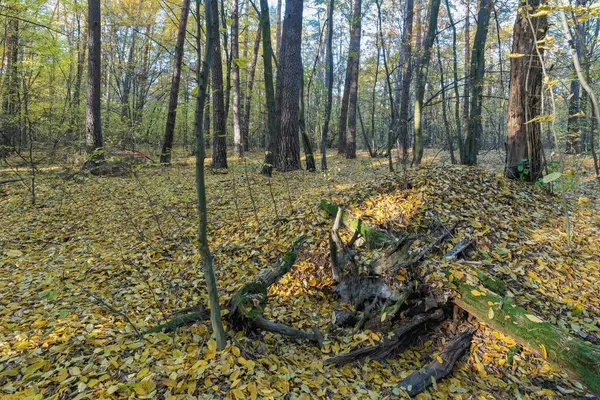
298,199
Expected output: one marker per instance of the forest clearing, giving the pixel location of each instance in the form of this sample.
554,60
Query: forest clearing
299,199
103,259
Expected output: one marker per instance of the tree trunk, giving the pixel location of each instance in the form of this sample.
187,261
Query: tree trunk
10,102
271,134
165,156
288,94
307,146
449,141
458,132
238,144
465,115
250,86
573,123
405,90
93,124
328,83
353,57
203,248
434,8
142,80
219,150
127,79
476,83
524,151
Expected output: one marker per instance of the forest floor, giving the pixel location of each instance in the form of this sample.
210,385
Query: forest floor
98,259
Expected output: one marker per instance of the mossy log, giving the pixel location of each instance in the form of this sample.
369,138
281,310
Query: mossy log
373,238
180,321
547,340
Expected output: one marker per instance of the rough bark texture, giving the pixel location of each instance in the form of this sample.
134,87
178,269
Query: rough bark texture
93,126
271,134
306,145
476,83
165,156
434,8
405,90
524,143
219,150
288,94
422,378
354,58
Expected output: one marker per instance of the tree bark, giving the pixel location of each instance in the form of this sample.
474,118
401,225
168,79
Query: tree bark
476,83
288,94
524,144
271,134
93,124
353,57
219,150
238,144
434,7
203,248
165,156
328,83
307,146
250,85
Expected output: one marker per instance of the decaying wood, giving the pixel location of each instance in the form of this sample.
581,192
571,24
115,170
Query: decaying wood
402,337
419,380
579,358
10,180
458,249
339,254
180,321
373,238
264,324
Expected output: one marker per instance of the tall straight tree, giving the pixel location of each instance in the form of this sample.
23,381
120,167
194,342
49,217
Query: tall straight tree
289,81
165,156
203,248
249,87
219,150
93,126
238,145
328,83
271,135
354,58
467,64
524,143
434,8
476,83
352,61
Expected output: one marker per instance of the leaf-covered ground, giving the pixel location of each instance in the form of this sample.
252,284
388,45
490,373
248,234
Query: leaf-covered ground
100,258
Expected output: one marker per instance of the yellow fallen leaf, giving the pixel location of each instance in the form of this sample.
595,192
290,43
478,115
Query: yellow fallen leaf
583,200
476,293
544,352
440,359
13,253
491,313
533,318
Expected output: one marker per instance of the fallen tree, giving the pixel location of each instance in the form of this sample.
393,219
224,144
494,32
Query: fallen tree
485,302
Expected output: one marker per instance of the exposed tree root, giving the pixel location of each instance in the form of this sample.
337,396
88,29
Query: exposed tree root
403,336
247,305
422,378
581,359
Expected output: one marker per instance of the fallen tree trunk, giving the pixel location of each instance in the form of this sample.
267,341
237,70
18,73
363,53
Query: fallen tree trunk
579,358
422,378
547,340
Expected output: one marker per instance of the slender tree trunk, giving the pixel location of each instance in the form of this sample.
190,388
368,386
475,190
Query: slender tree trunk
524,143
271,134
573,123
219,150
278,30
455,85
142,79
127,80
308,152
353,94
444,113
288,95
250,86
165,156
378,44
328,83
465,115
238,145
405,89
93,125
203,248
10,101
434,7
476,82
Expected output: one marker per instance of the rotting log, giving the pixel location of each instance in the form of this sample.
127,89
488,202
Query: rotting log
547,340
579,358
373,238
422,378
402,337
181,321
